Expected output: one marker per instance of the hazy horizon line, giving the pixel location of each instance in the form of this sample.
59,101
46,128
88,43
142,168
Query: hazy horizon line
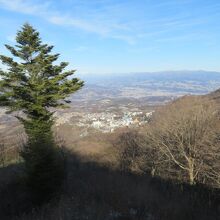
159,71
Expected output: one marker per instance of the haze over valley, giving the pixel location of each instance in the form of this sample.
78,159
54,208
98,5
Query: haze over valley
108,102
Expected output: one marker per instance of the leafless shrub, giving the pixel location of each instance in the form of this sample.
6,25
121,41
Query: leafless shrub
186,133
181,142
10,149
129,147
2,154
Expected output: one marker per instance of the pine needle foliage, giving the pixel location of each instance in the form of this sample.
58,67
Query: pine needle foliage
34,84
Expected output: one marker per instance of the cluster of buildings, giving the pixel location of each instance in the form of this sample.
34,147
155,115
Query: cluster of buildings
108,122
103,121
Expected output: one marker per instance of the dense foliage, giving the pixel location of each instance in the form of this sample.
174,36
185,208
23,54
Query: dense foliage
33,84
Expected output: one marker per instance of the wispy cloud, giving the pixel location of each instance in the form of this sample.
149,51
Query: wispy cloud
55,17
77,23
112,19
26,7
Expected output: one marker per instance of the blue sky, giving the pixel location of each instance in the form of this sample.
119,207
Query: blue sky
119,36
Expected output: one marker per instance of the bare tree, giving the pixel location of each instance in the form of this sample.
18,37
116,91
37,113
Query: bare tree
187,134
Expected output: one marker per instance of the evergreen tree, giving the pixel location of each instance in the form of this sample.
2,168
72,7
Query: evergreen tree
34,85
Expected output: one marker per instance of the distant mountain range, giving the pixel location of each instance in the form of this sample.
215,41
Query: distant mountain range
153,87
127,78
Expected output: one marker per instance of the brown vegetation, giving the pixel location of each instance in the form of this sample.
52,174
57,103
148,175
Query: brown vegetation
168,169
181,142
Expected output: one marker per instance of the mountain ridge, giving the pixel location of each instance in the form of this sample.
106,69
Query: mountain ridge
160,75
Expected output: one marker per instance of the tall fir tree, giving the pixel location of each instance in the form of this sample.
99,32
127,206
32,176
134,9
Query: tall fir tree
33,84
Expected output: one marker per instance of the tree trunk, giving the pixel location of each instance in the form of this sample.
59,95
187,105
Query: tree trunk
191,171
153,171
